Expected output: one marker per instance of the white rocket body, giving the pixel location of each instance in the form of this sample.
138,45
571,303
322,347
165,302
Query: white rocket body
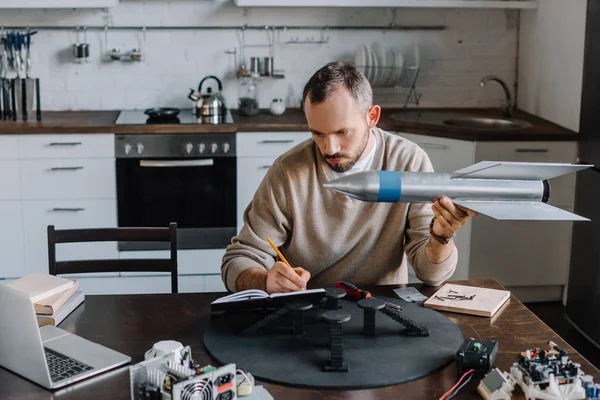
501,190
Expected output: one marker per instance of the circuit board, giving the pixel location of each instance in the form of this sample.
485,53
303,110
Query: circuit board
537,365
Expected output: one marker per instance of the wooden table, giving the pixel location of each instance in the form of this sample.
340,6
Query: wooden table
132,323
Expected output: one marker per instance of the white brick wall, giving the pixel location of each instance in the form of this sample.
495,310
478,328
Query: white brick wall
477,42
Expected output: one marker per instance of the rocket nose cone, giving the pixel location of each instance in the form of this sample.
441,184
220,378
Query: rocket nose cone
361,185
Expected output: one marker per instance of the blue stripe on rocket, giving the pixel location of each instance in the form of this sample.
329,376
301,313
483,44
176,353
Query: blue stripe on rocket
390,186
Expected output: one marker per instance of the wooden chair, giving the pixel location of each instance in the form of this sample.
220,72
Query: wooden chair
113,235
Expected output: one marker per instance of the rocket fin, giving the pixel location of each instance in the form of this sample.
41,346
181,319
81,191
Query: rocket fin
519,211
516,170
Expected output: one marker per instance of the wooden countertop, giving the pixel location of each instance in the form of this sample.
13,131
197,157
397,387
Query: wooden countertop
424,122
132,323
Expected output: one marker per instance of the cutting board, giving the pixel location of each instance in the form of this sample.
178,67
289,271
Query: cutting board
485,303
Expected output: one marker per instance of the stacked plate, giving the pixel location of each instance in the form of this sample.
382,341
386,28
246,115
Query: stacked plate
382,67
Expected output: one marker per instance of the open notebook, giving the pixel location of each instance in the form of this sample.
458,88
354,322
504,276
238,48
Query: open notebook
254,298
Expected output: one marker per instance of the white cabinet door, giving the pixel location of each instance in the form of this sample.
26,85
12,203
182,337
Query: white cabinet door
58,3
12,255
448,155
10,185
250,173
66,214
68,179
526,253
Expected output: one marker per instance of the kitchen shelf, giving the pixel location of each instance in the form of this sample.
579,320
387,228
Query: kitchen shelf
511,4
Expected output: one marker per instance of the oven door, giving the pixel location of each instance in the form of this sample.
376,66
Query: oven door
197,193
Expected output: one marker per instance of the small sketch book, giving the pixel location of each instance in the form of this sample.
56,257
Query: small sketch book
484,302
253,298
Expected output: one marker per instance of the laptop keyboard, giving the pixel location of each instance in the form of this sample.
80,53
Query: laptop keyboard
63,367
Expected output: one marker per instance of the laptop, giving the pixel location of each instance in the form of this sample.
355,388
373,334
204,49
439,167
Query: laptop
47,355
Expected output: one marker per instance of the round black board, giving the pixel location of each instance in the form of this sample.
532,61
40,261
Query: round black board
274,354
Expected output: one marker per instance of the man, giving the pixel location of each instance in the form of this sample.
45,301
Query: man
325,235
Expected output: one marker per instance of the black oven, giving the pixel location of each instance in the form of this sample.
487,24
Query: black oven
185,178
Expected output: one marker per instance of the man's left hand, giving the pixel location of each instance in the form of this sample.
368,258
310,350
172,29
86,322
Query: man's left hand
449,217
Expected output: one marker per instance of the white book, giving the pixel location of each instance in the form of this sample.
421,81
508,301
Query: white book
39,286
74,301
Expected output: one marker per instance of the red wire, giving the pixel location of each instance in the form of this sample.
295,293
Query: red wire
456,385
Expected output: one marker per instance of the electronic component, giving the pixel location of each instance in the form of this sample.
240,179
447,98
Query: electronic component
496,386
540,374
477,355
244,382
175,376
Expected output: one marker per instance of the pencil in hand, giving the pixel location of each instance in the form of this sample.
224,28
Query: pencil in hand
281,257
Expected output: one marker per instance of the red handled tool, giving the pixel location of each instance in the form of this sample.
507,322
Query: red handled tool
354,292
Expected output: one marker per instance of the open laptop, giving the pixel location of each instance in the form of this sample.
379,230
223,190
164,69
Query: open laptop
48,356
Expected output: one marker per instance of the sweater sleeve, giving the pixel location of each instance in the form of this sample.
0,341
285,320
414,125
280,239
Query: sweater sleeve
266,216
417,235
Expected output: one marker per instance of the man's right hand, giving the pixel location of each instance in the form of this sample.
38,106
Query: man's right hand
283,279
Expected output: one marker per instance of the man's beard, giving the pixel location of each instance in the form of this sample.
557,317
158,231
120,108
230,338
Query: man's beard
353,160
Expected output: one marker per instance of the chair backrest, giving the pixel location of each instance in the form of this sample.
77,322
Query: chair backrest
114,235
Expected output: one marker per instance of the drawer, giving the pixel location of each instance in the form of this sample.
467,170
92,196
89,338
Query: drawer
446,155
562,188
268,144
67,146
68,179
9,147
563,152
10,185
189,262
66,214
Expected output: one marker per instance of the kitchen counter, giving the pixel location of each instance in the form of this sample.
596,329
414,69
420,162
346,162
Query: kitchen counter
424,122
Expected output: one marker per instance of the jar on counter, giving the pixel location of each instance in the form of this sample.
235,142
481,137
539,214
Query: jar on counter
248,97
277,107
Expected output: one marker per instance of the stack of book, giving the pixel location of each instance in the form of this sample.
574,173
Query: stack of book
53,297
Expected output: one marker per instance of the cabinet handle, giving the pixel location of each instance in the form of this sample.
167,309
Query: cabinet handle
264,167
65,168
276,141
73,209
434,146
531,150
177,163
64,144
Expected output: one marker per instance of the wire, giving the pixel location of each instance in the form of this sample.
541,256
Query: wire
460,387
445,395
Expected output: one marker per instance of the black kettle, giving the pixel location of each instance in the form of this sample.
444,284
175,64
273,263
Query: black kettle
209,103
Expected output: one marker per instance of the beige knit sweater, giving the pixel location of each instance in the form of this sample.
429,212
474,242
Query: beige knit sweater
331,235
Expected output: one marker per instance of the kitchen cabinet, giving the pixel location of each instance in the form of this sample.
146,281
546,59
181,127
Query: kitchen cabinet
523,255
509,4
58,3
11,235
256,152
448,155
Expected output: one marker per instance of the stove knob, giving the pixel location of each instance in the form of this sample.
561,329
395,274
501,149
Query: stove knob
214,147
189,148
226,147
201,148
140,148
127,148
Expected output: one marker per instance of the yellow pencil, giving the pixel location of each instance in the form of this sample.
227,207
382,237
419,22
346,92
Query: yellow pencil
281,257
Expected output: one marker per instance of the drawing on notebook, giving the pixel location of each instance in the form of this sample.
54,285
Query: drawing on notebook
255,294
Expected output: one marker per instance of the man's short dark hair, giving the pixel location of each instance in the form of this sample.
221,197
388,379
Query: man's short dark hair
326,80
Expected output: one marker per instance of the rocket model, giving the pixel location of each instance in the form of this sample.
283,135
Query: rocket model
498,189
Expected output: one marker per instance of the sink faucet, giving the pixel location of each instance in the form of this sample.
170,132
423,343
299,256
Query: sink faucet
507,108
